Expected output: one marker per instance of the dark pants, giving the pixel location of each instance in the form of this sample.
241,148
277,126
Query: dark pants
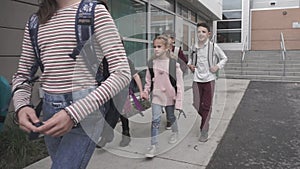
202,101
111,119
113,115
125,123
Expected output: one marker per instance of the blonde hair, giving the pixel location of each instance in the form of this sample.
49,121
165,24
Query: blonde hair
167,43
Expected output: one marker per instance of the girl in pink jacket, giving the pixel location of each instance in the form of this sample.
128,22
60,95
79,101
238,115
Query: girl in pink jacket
162,92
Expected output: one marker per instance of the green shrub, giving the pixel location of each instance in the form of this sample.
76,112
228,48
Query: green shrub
16,150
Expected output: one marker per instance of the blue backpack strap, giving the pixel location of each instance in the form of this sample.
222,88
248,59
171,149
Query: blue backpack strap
84,25
33,26
84,30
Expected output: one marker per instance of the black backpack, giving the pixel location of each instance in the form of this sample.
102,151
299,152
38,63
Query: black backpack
172,73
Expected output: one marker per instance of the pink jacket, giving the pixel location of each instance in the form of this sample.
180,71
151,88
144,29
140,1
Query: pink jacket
163,92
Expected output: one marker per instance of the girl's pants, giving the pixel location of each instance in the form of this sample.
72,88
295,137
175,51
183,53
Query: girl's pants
75,148
156,117
202,101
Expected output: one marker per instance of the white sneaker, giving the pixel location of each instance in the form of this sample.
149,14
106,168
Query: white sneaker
174,138
203,137
151,152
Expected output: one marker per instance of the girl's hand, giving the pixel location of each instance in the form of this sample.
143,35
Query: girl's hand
144,95
58,125
26,118
214,69
192,67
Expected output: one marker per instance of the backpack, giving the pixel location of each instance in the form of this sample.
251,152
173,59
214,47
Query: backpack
172,73
211,51
84,28
182,60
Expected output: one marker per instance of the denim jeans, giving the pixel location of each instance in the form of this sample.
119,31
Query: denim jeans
75,148
156,117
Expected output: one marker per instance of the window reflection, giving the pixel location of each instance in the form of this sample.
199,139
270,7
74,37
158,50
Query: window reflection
166,4
137,52
229,37
193,16
229,25
232,15
128,14
232,4
229,29
185,37
160,21
183,11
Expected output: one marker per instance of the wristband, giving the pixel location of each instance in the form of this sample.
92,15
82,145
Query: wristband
72,118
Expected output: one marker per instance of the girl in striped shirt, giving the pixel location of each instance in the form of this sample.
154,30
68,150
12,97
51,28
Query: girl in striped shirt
69,97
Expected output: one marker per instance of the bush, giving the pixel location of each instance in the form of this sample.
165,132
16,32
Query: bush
16,150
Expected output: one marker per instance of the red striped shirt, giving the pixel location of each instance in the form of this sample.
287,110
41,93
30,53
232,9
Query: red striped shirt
62,74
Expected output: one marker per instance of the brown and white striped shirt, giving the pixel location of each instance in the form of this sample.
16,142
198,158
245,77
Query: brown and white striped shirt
62,74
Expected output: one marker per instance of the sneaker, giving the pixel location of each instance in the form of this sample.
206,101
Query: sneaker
125,139
174,138
151,152
102,142
168,126
203,137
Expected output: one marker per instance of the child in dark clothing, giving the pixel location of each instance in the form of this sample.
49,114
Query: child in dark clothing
114,114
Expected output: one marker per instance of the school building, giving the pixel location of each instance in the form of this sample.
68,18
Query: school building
259,24
236,24
138,22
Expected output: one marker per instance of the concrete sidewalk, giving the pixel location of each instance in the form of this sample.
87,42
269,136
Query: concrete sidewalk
188,152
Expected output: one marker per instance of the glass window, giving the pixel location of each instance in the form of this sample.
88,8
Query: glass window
137,52
185,37
166,4
184,12
232,4
160,21
126,14
229,25
200,19
232,15
229,29
193,16
230,36
193,36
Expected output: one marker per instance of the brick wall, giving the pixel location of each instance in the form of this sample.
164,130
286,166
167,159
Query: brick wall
267,25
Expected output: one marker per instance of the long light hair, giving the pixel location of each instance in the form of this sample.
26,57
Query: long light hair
49,7
46,10
166,43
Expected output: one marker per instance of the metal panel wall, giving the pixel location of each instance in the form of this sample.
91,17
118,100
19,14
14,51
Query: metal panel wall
13,17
